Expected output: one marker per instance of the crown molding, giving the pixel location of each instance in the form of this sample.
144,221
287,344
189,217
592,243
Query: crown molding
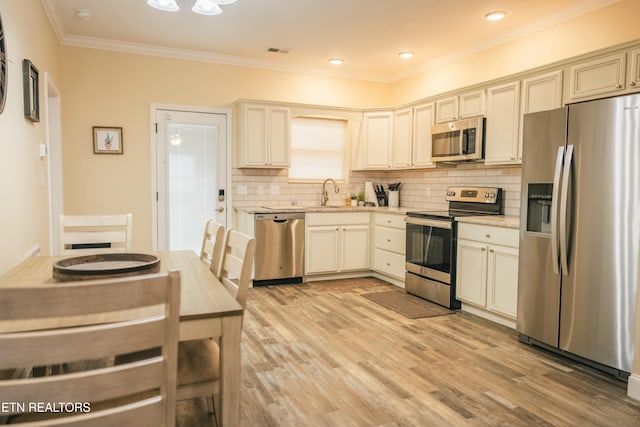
216,58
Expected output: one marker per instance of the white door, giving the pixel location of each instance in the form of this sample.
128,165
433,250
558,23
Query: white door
191,169
53,120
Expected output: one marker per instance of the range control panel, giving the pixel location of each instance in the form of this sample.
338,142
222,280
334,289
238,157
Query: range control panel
473,194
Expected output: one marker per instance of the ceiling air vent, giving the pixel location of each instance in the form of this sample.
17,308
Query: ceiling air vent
278,50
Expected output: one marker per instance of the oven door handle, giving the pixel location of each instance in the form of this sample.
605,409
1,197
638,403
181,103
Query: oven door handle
428,222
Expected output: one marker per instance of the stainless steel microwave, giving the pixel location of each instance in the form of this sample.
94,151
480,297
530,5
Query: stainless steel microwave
461,140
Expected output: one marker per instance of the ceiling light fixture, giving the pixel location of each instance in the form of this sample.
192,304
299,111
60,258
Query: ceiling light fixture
406,54
201,7
496,15
336,61
164,5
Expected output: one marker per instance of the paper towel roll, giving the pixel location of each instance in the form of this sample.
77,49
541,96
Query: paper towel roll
369,193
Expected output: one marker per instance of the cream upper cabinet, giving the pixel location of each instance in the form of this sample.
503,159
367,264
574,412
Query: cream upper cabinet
423,119
402,130
264,136
540,93
378,137
447,109
633,75
597,77
502,127
469,104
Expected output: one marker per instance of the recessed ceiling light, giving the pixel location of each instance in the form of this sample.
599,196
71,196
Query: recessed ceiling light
496,15
406,54
83,14
336,61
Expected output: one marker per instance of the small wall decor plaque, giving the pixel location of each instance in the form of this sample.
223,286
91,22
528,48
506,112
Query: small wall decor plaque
107,140
30,87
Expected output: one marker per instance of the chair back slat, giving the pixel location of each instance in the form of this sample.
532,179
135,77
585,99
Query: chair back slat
137,313
86,234
237,264
212,244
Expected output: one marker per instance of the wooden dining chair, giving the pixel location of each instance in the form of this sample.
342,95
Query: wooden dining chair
92,320
90,234
212,243
199,360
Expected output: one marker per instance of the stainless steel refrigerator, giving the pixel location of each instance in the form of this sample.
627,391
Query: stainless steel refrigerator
580,231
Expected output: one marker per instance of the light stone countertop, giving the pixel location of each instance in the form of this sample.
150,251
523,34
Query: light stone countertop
495,220
320,209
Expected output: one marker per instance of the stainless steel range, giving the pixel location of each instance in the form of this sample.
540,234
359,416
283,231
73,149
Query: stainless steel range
431,242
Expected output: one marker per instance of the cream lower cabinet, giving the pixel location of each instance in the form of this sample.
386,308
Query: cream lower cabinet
487,271
336,242
389,245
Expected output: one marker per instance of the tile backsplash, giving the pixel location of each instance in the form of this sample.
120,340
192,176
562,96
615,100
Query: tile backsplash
423,189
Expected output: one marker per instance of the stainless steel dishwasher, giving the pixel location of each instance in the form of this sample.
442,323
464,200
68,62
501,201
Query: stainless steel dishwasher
279,248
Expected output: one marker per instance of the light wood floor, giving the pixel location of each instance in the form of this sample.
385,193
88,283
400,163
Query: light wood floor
320,354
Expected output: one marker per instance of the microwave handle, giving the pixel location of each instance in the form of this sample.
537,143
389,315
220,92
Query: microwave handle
461,142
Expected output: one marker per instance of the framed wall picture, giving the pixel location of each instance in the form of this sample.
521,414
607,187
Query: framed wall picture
30,85
107,140
3,69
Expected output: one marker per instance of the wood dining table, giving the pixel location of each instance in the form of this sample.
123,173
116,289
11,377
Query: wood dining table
207,310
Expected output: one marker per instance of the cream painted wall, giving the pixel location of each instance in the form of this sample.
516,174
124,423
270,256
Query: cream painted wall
23,175
117,89
609,26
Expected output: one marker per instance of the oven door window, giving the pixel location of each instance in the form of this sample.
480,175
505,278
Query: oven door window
446,144
429,247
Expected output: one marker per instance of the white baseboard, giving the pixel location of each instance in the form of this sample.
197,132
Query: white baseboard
509,323
633,387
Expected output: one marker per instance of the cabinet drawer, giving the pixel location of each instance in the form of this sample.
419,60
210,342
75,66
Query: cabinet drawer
488,234
390,239
338,218
390,220
388,263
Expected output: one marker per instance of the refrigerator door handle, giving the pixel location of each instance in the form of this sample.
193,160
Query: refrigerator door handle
555,258
563,210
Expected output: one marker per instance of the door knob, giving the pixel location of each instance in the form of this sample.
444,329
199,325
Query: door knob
220,209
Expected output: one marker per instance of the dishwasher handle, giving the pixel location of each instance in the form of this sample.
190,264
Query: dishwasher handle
279,217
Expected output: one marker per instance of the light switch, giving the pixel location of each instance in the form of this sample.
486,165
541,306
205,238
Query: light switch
43,150
275,189
260,190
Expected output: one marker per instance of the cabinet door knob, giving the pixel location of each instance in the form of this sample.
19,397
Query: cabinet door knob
618,86
491,250
483,249
632,83
388,240
488,236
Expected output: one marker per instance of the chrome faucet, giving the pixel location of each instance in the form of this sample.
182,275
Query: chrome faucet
325,196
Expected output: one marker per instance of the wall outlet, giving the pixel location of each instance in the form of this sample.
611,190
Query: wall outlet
275,189
242,190
260,190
